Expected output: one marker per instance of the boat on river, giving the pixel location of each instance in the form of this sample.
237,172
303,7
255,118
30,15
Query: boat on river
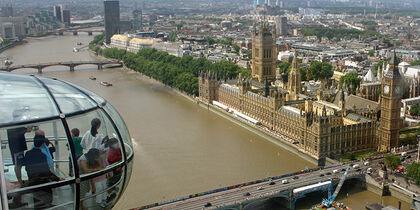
8,62
334,206
104,83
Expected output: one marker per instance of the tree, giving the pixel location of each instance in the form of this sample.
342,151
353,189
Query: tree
392,161
174,71
210,40
245,72
351,79
178,26
172,36
321,70
98,39
413,172
415,63
6,41
337,33
371,52
187,82
286,67
236,48
415,110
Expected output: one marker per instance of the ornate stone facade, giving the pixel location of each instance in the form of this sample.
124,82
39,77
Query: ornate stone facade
208,87
388,132
264,52
318,128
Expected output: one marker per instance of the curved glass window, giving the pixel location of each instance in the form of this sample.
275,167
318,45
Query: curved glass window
62,134
23,99
68,98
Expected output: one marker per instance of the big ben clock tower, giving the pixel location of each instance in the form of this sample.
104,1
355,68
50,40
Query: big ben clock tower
388,132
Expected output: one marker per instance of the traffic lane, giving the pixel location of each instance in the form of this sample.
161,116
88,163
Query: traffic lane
313,179
240,195
267,190
258,193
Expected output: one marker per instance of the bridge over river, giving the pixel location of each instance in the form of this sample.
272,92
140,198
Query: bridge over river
241,196
70,64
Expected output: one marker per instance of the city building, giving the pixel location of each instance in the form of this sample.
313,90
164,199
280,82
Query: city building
281,26
264,52
19,25
58,12
6,11
137,20
318,128
8,31
390,122
134,44
112,19
328,125
66,17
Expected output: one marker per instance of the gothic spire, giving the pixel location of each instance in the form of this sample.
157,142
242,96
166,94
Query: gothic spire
393,71
342,96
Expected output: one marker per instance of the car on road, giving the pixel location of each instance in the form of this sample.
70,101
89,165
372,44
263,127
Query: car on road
343,169
284,181
247,194
358,169
329,173
260,188
296,177
272,183
335,171
321,175
207,204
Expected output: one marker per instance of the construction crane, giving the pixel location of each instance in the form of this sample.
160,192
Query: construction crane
327,202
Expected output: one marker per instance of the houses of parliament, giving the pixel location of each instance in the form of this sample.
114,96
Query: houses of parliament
323,121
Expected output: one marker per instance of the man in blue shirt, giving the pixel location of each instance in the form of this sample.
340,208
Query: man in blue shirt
38,170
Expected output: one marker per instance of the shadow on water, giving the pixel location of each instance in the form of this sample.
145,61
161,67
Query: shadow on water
351,186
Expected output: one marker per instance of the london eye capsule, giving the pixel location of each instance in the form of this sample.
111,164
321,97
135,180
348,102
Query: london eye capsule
62,146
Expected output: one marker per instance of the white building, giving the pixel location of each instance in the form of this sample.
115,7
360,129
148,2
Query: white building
120,41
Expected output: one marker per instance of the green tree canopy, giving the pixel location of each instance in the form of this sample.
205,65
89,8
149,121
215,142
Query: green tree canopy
392,161
338,33
413,172
236,48
351,79
415,63
172,36
320,70
415,110
368,22
98,39
286,67
174,71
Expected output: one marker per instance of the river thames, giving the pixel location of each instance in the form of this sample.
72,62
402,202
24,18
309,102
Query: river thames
180,148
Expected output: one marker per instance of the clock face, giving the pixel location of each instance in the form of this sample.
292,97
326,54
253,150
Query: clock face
386,89
397,90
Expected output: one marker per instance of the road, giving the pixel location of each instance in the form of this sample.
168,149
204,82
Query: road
263,189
